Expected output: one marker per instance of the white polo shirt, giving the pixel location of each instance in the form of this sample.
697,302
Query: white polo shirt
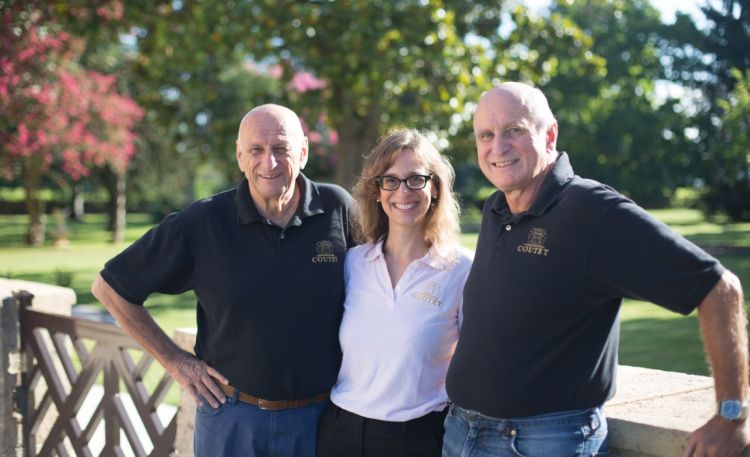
398,342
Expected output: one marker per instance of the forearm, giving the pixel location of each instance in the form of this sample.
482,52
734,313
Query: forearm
196,377
137,322
723,325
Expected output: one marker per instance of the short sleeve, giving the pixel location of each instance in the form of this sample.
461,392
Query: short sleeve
636,256
160,261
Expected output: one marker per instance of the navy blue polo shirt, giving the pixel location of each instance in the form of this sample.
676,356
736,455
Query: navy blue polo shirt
270,300
541,303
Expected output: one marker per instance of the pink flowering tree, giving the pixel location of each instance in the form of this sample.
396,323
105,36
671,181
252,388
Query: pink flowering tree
304,90
55,116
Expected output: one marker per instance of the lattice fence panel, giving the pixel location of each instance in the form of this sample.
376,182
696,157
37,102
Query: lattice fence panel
86,391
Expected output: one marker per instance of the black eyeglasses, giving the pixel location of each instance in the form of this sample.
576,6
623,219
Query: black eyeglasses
413,182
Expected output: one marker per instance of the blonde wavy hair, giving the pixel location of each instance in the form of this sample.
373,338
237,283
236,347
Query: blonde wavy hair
441,222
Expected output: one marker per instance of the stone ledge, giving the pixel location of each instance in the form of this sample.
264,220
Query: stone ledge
654,411
47,298
652,414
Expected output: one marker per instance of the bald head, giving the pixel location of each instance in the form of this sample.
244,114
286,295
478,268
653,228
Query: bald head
273,115
519,95
516,138
271,151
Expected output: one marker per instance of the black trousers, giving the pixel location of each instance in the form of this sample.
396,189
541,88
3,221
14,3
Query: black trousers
345,434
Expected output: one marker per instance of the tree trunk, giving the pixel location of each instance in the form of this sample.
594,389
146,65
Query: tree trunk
77,204
34,206
116,207
357,136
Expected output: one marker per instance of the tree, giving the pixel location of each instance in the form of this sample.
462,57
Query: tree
730,191
385,63
706,61
56,116
598,62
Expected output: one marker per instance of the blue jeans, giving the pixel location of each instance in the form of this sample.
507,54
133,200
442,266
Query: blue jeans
564,434
241,429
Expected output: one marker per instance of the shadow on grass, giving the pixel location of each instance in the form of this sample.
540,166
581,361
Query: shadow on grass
664,344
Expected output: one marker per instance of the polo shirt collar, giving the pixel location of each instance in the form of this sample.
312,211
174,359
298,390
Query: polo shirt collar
553,183
310,204
431,259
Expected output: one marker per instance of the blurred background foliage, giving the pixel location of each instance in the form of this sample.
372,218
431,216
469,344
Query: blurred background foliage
659,111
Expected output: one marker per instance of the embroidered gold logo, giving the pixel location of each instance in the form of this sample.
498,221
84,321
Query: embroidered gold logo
428,293
535,243
325,252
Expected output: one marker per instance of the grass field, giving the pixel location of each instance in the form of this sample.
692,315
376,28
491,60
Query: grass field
651,336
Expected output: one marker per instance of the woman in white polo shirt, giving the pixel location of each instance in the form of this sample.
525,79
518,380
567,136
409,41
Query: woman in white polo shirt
403,306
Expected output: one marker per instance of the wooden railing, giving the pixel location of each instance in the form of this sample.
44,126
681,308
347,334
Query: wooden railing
66,360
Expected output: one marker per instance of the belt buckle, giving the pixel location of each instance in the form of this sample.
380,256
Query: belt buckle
262,404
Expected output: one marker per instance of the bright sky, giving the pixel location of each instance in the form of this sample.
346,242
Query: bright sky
667,7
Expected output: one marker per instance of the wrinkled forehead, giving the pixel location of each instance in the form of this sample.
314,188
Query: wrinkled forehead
499,111
264,127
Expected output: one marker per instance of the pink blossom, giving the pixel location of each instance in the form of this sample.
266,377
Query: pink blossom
26,53
23,134
276,71
314,136
72,119
333,137
305,81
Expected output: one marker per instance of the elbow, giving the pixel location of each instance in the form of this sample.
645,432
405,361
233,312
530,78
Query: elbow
731,283
103,292
98,287
726,294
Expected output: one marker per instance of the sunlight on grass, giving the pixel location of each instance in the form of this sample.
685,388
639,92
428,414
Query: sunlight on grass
691,224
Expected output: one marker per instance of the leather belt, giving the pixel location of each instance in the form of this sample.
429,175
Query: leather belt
272,405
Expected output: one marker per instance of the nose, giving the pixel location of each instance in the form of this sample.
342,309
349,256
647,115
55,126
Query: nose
500,145
269,159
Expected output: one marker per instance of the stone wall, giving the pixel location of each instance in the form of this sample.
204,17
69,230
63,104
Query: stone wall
655,411
652,414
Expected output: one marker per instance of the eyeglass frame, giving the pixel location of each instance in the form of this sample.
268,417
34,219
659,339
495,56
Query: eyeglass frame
379,181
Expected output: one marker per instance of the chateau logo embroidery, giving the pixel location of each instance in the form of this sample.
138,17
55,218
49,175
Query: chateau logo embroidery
535,243
428,293
325,252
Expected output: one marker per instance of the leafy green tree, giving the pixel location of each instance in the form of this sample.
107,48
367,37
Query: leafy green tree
179,61
619,129
704,61
730,190
598,63
727,40
385,63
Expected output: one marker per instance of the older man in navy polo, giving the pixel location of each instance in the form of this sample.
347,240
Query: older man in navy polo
265,261
556,254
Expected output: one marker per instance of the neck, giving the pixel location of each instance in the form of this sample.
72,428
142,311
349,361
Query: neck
279,210
405,244
520,200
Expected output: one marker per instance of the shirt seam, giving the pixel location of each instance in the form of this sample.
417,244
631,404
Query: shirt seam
594,241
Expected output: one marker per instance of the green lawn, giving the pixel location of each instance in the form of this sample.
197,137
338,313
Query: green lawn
651,336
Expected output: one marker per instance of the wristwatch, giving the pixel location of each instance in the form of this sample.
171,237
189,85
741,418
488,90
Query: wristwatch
733,410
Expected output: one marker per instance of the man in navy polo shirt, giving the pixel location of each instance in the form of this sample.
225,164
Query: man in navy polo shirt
265,261
556,254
